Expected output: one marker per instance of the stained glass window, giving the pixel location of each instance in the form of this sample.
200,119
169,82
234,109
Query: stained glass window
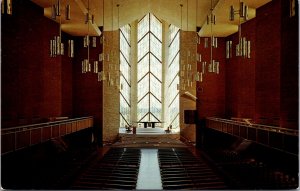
149,69
173,78
149,73
125,80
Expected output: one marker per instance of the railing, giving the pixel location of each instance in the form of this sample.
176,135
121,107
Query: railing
16,138
276,137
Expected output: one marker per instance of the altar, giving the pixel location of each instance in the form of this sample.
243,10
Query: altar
149,123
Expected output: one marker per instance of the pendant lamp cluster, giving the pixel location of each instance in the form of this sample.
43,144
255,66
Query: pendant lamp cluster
243,48
56,45
86,65
113,74
188,75
101,75
212,66
199,75
6,7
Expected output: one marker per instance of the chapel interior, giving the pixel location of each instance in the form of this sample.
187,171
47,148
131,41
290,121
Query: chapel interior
152,94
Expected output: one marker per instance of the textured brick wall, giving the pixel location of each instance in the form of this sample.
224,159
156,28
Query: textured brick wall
211,91
289,90
31,81
240,76
111,97
187,43
268,61
265,87
87,91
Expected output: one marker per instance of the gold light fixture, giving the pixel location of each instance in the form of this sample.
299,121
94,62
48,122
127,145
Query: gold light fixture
292,8
56,45
229,49
181,85
6,7
242,12
101,75
113,73
213,65
198,75
70,42
113,76
68,11
186,74
110,57
71,48
85,64
9,7
243,48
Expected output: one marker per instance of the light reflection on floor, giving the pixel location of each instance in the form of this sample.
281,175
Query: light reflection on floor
149,173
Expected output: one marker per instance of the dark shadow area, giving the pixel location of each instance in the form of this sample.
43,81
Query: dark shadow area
50,165
249,165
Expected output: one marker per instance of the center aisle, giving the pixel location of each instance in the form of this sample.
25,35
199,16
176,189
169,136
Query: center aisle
149,171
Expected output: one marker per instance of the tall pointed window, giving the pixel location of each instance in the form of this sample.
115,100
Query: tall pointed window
172,77
125,81
149,106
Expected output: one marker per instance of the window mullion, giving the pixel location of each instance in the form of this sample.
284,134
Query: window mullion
149,69
145,29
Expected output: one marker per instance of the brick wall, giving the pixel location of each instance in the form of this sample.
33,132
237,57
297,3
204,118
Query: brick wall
268,61
289,90
111,97
31,81
87,91
187,43
240,76
263,87
211,91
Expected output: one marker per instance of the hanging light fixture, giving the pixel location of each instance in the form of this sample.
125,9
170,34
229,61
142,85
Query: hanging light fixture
94,45
101,74
229,49
194,76
53,11
186,74
6,7
109,76
86,65
213,66
187,15
242,12
198,75
57,7
56,45
182,67
68,11
189,74
113,71
70,42
243,48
